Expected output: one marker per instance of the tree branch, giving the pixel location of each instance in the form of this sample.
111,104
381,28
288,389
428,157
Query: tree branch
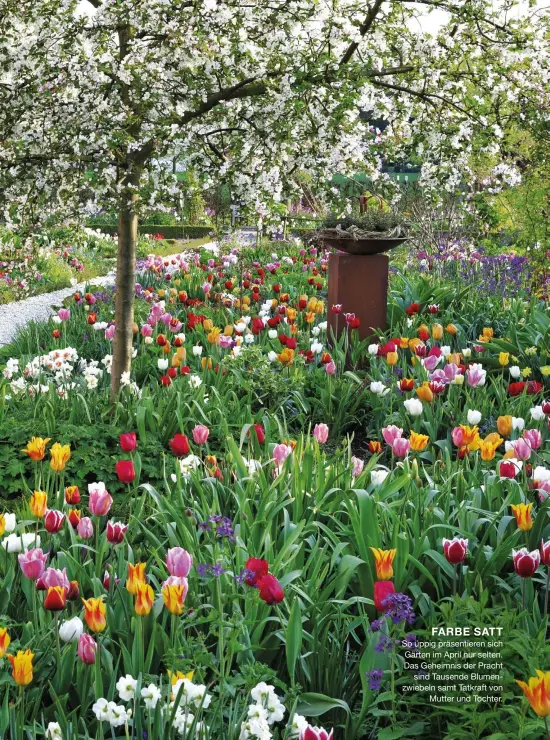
363,30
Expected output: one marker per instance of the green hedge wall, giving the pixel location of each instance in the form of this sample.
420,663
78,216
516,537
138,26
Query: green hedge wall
169,232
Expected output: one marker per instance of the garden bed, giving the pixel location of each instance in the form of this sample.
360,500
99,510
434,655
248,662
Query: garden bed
265,507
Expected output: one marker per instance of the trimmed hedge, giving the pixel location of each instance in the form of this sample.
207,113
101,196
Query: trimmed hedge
169,232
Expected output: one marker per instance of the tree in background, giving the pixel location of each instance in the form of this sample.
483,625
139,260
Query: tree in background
250,92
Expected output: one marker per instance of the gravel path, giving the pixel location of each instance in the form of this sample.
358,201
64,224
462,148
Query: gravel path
15,315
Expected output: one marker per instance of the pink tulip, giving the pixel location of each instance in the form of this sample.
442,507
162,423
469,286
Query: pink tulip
100,500
320,432
431,362
401,447
32,563
280,453
166,318
64,314
316,733
85,528
200,434
475,375
53,577
457,435
87,648
451,371
391,433
110,332
146,330
330,368
358,466
178,562
522,448
534,437
206,287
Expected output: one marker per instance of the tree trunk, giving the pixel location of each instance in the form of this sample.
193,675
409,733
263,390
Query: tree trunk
125,279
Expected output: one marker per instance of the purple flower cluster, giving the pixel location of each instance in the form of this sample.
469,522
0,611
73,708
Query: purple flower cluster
204,570
375,679
222,524
398,608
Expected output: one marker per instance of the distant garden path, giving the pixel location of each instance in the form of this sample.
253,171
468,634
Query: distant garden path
14,316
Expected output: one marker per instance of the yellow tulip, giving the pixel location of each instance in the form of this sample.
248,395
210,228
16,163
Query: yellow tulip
39,503
418,442
60,456
21,665
504,425
504,358
173,597
522,512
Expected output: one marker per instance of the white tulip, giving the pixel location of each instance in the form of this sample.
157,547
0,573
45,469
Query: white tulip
414,406
474,417
71,629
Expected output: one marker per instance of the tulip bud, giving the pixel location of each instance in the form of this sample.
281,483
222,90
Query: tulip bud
87,648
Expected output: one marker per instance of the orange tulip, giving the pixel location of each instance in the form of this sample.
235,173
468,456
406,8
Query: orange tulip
145,597
537,692
95,614
451,329
286,357
375,446
437,331
136,575
424,393
5,640
383,561
504,425
36,448
522,512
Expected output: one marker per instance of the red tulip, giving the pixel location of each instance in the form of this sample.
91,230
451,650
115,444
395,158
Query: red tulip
166,380
172,372
74,591
291,343
258,569
455,550
525,562
382,589
128,442
125,471
508,469
56,598
179,445
53,520
260,433
271,590
116,532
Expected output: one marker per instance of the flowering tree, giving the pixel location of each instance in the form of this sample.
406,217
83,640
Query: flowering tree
251,91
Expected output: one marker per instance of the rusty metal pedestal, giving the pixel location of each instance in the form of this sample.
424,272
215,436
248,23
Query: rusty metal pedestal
360,283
